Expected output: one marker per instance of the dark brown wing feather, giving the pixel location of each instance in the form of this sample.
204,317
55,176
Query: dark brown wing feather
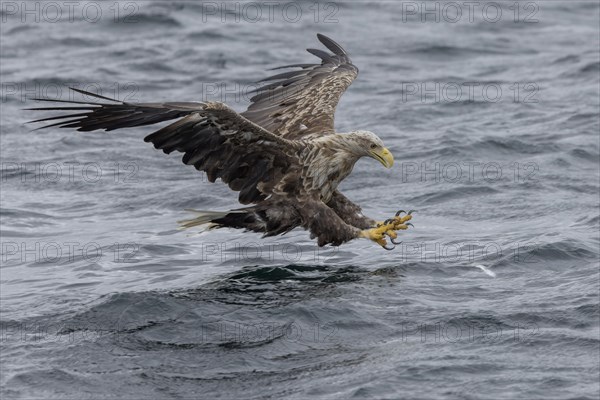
302,102
213,138
225,145
116,115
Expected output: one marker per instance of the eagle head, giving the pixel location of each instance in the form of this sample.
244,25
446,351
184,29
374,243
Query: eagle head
365,143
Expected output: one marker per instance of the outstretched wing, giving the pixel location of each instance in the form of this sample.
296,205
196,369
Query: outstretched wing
212,137
302,102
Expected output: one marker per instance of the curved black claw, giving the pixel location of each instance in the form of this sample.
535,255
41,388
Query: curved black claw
388,221
407,213
408,223
389,248
396,243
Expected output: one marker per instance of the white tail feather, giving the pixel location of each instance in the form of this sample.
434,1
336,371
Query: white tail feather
202,218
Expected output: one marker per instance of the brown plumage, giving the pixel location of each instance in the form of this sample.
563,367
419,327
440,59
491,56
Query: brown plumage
302,102
282,155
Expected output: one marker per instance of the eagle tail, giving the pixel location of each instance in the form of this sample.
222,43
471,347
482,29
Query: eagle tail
202,218
241,219
254,218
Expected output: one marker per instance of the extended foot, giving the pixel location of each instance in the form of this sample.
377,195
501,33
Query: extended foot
378,234
400,221
389,228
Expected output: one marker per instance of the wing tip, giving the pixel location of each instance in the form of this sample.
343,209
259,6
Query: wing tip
86,93
331,45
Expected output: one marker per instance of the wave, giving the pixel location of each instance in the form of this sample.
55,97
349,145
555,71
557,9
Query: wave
453,51
591,68
583,154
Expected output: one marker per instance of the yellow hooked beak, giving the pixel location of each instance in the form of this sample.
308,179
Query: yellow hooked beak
384,156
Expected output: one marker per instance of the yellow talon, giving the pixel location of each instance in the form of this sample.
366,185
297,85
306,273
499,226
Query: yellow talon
407,217
397,221
387,227
376,234
402,220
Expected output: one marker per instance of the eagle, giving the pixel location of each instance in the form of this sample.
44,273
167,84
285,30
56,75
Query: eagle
282,154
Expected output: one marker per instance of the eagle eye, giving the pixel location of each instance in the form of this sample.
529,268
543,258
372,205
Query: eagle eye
373,146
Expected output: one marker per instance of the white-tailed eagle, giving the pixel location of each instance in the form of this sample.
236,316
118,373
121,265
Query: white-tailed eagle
282,154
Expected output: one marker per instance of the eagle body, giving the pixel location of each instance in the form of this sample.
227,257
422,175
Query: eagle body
323,164
282,155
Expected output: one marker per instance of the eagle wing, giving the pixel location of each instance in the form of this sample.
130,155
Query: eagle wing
212,137
302,102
